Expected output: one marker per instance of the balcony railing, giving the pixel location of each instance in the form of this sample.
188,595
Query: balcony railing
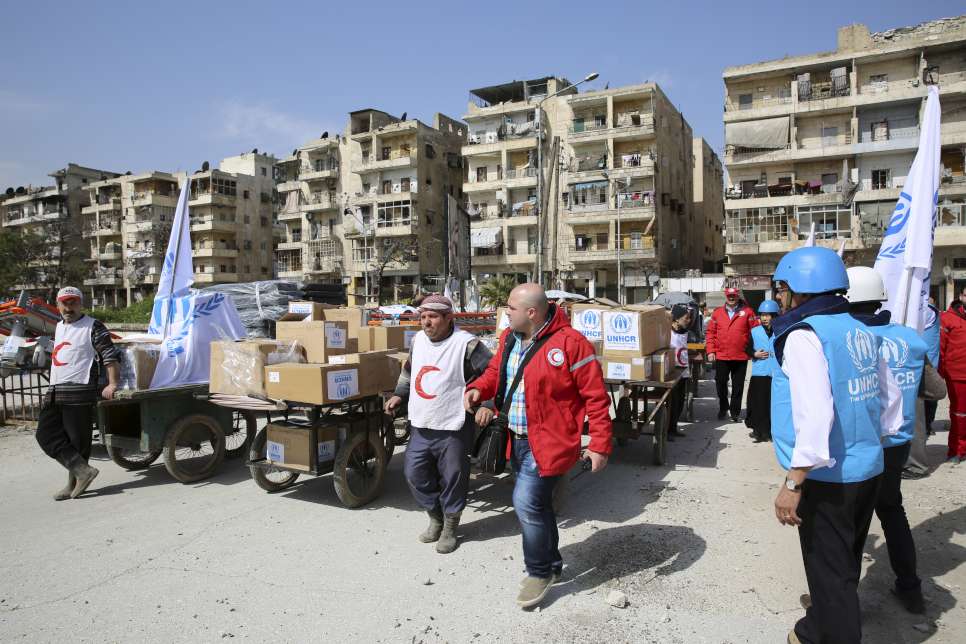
628,243
580,126
762,191
734,153
520,173
952,214
825,141
890,130
817,91
732,105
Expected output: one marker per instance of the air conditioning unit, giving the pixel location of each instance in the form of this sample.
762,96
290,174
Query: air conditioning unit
397,187
474,138
491,137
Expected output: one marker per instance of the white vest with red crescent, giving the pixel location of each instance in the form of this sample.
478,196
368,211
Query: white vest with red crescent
74,353
679,343
437,382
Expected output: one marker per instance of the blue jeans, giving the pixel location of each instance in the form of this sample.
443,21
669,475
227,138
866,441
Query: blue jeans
533,503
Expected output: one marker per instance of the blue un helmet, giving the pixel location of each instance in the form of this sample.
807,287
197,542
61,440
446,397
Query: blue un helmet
769,306
812,270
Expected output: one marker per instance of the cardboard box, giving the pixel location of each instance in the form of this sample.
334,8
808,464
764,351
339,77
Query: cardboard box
588,320
354,316
320,340
291,445
636,332
626,369
502,320
385,338
139,359
663,365
378,370
238,368
303,310
315,384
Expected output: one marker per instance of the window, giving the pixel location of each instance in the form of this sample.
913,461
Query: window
386,153
245,194
404,184
264,171
430,152
481,174
830,135
394,213
366,187
600,120
263,221
386,187
831,221
880,179
602,239
248,219
878,81
745,101
248,245
499,171
264,245
830,182
581,242
248,268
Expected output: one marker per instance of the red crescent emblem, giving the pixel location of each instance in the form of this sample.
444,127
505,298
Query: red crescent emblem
418,384
53,356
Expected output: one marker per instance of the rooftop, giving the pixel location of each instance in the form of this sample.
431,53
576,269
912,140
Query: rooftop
516,90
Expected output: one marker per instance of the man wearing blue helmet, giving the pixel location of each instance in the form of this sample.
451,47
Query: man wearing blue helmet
758,418
829,414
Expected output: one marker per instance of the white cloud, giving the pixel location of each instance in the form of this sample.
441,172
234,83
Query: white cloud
262,125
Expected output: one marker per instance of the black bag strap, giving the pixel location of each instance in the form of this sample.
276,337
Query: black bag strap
528,354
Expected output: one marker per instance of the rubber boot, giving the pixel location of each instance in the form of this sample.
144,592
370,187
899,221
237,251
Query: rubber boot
447,540
432,532
64,494
85,475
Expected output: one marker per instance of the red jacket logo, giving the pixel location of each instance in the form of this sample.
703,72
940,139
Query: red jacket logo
555,357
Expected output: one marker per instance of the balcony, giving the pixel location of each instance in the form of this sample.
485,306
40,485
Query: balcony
766,102
110,256
495,259
215,252
351,228
327,170
494,142
210,223
631,126
291,215
154,199
634,247
104,280
520,177
288,186
290,244
633,165
318,201
211,199
215,278
106,205
395,159
140,226
489,184
584,130
400,228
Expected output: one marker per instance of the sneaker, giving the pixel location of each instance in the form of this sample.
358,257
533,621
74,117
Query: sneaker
722,415
533,590
912,475
806,601
911,600
954,460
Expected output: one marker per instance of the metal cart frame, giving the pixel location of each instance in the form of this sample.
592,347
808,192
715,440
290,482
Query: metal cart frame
634,414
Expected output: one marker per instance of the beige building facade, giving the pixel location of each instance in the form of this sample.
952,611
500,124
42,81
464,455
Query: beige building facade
826,140
617,180
709,212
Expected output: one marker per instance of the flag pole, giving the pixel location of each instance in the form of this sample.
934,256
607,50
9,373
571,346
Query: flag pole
174,267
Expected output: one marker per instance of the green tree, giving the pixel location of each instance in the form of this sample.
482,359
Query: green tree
21,255
496,291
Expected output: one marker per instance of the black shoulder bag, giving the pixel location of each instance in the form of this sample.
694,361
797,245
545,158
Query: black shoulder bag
491,444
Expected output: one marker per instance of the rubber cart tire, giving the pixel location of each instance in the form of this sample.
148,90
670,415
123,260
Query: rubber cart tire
239,442
185,454
359,469
269,479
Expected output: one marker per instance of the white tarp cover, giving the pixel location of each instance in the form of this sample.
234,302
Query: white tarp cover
767,133
486,237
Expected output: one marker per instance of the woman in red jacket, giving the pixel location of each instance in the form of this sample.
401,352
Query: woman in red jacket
952,367
727,338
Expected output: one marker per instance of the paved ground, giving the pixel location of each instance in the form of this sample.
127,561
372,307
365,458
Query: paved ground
694,545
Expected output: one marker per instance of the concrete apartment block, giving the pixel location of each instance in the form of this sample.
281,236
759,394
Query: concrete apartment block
626,146
709,248
371,200
827,139
54,211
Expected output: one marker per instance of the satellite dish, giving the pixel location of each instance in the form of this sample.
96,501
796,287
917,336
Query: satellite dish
254,150
127,174
10,191
325,135
205,166
403,117
20,190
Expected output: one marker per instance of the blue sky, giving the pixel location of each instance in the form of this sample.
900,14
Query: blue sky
140,86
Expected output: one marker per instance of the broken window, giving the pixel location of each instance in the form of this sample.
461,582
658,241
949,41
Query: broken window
481,174
880,179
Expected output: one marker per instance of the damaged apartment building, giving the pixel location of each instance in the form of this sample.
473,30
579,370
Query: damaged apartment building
368,208
618,167
128,222
825,141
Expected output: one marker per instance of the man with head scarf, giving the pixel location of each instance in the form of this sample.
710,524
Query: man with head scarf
442,359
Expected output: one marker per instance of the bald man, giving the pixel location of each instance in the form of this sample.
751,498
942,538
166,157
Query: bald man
562,385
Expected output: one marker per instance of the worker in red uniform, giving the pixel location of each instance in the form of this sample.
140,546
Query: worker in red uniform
727,339
952,367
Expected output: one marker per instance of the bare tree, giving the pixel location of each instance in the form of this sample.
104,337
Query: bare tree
397,252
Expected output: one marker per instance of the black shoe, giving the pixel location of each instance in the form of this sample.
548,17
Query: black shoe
911,600
722,415
909,475
735,419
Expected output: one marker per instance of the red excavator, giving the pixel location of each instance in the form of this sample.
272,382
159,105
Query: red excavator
27,325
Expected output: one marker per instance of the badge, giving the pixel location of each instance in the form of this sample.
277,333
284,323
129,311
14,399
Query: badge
555,357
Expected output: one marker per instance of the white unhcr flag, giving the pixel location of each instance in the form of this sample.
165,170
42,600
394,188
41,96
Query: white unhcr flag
905,257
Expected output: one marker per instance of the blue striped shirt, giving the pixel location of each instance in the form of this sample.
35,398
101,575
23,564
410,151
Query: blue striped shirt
517,411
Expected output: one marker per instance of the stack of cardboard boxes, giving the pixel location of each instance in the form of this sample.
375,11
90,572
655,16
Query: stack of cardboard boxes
631,341
337,358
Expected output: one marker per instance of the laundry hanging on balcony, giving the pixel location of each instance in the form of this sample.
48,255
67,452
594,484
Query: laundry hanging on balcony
486,237
524,207
769,134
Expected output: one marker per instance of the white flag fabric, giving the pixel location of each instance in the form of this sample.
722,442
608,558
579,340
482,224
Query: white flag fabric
197,320
810,240
842,248
177,275
905,257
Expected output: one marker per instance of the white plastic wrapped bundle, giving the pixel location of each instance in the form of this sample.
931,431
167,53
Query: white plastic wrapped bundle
259,304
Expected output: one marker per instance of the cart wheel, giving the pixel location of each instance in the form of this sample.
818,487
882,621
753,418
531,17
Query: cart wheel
240,440
661,421
194,448
388,435
270,479
402,430
133,459
360,466
689,408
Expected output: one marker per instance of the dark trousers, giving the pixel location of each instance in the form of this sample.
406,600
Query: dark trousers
65,432
895,526
735,369
678,394
758,414
835,522
533,503
931,406
438,467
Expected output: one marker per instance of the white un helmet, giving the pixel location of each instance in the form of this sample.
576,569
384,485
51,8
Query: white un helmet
865,285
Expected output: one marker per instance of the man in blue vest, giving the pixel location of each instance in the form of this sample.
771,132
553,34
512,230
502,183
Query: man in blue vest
758,418
829,413
905,352
917,465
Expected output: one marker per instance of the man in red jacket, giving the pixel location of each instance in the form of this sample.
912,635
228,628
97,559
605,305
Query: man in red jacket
562,385
952,367
727,339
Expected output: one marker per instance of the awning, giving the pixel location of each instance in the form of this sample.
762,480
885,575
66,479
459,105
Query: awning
486,237
767,133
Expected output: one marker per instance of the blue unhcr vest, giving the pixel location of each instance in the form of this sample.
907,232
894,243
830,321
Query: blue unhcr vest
852,351
905,352
763,342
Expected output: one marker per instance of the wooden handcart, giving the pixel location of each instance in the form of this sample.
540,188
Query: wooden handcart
642,409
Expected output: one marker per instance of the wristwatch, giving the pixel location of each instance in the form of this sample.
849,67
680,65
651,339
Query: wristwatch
792,485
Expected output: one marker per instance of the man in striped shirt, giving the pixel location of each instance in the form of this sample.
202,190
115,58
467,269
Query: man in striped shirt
82,347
